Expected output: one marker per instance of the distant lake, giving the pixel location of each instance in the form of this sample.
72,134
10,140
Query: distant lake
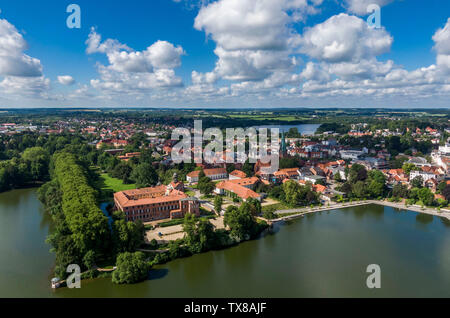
321,255
304,129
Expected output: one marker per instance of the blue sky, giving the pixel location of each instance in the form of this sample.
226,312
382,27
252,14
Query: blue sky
225,53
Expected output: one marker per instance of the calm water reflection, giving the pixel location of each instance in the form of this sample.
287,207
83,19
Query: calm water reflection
321,255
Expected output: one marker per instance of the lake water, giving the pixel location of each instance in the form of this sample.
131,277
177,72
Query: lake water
321,255
304,129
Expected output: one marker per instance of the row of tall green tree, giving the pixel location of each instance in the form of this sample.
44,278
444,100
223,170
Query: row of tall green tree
82,233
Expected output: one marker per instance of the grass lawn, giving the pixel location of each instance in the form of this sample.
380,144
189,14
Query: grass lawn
108,186
114,184
274,207
190,193
207,216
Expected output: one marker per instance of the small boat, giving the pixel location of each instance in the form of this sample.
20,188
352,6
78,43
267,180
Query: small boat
56,282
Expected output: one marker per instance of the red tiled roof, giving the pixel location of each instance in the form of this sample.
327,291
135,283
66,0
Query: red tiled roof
237,189
147,196
286,172
239,174
208,172
319,188
245,181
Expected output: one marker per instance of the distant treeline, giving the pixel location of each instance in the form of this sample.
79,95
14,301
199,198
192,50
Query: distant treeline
24,158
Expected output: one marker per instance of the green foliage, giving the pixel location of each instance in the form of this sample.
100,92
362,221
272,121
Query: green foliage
200,235
127,236
363,184
277,193
421,196
80,226
408,167
270,215
122,171
441,186
89,259
249,168
177,250
357,173
417,182
230,168
400,191
205,185
334,126
50,195
131,268
446,192
144,175
442,203
241,222
36,159
83,216
255,206
359,190
109,184
218,201
293,133
289,162
426,196
298,195
376,184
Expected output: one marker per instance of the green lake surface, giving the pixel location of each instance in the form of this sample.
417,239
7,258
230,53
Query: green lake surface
321,255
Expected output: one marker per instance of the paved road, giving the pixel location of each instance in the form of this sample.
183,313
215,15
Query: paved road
443,213
332,206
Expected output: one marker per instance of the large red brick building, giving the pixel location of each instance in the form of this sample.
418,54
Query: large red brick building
157,203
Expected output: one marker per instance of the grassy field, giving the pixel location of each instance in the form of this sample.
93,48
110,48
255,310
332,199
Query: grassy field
108,186
274,207
190,193
114,184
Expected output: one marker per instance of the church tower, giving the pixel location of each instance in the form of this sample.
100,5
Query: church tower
283,146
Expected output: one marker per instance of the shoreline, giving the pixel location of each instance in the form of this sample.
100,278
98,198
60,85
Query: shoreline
304,211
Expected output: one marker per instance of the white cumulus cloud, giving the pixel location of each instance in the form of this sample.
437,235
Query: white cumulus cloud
13,62
131,71
442,45
255,40
360,6
66,80
344,38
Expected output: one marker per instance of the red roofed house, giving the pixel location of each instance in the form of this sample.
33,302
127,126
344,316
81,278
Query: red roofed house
236,190
237,174
289,173
157,203
130,155
116,143
319,188
213,174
